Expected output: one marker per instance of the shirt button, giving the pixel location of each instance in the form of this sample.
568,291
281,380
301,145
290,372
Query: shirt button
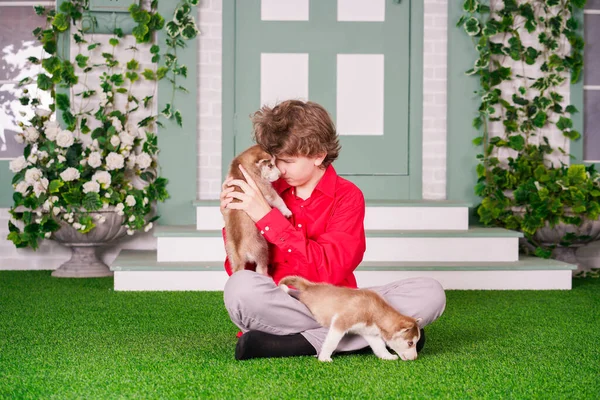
289,250
266,228
299,225
262,232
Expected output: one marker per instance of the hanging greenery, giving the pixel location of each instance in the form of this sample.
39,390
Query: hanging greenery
96,157
527,51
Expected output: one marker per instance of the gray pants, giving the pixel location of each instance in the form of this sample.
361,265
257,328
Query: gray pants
254,302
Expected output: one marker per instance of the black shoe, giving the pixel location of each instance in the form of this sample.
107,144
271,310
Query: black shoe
257,344
421,342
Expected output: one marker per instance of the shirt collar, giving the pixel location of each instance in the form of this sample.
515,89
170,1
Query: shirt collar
326,185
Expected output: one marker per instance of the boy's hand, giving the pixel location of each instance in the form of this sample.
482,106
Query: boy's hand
252,200
225,190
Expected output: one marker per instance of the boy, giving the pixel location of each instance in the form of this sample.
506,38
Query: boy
323,241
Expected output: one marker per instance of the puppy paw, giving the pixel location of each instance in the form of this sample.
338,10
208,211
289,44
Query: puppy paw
286,212
390,357
325,359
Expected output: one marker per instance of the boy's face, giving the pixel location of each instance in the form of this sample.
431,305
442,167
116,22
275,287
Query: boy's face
298,170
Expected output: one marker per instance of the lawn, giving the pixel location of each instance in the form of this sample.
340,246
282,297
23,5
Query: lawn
69,338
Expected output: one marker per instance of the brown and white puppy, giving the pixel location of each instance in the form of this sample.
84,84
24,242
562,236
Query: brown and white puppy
244,241
359,311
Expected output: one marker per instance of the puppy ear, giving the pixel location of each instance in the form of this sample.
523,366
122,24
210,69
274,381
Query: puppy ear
418,321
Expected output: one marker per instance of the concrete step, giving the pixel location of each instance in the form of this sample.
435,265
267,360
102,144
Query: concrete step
187,244
136,270
380,215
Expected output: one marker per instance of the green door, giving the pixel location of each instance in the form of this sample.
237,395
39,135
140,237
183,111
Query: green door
356,63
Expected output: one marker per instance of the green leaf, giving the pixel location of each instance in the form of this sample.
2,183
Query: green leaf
91,201
571,109
478,141
62,101
113,41
540,119
154,49
51,64
167,112
93,46
149,74
564,123
178,118
472,26
133,65
44,82
173,29
140,32
72,197
132,76
39,10
161,72
55,185
516,142
189,31
61,22
69,119
181,13
117,79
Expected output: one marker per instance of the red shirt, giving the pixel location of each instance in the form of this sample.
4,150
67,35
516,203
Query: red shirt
324,239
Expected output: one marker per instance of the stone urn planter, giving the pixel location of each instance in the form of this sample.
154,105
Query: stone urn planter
84,263
587,232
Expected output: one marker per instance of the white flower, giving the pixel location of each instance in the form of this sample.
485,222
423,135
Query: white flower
43,113
22,187
65,139
51,129
77,225
47,235
46,206
148,227
19,138
95,145
31,134
133,130
83,162
95,159
130,232
56,210
42,155
131,161
126,138
107,195
116,122
143,160
32,158
40,187
54,199
105,205
115,141
91,186
119,207
61,158
130,201
114,161
70,174
145,201
132,218
105,98
18,164
38,220
50,163
32,175
38,213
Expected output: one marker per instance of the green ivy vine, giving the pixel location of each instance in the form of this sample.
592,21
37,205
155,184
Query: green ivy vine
522,181
97,158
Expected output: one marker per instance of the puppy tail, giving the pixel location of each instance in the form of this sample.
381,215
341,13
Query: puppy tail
296,281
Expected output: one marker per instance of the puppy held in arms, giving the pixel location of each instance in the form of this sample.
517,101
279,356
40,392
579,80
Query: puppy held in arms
359,311
244,241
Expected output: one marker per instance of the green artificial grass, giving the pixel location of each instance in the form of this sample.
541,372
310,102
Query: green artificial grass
69,338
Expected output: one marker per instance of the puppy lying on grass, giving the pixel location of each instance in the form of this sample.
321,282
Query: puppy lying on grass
359,311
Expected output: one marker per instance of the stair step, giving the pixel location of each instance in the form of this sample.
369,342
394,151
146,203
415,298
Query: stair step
380,214
140,270
185,243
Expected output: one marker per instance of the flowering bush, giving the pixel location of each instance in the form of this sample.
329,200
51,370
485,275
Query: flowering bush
101,159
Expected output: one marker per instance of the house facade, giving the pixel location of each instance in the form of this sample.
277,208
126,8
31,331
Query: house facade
391,73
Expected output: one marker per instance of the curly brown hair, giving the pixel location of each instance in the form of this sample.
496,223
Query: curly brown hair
296,128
